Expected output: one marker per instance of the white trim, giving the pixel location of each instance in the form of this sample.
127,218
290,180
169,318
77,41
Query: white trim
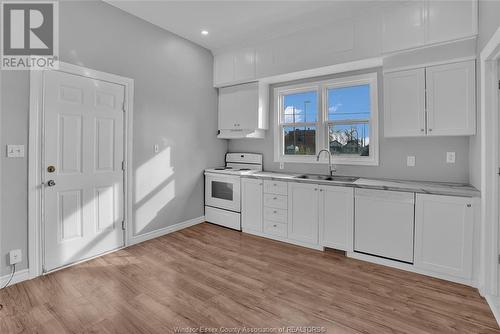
490,55
326,70
408,267
166,230
35,251
321,88
494,303
19,276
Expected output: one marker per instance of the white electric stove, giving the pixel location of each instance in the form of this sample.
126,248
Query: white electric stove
223,188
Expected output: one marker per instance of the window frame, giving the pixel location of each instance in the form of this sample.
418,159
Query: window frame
322,123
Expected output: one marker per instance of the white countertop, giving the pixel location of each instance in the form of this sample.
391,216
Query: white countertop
424,187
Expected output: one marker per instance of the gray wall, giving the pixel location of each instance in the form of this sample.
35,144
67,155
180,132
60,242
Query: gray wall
175,107
430,153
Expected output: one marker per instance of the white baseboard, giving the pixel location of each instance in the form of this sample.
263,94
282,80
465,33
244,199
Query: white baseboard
19,276
166,230
494,303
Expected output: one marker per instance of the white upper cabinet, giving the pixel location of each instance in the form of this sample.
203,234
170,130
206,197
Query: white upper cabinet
444,235
403,25
251,205
412,24
243,110
234,67
336,217
303,204
223,68
451,99
435,101
449,20
404,103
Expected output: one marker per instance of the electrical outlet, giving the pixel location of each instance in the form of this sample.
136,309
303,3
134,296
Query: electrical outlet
450,157
15,256
282,165
410,161
15,151
156,148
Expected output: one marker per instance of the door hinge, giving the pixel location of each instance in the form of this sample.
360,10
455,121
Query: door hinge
123,225
498,258
498,84
123,165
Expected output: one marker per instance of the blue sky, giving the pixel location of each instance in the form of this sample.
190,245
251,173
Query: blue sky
343,103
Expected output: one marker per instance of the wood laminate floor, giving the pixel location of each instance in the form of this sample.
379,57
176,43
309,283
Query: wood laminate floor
211,277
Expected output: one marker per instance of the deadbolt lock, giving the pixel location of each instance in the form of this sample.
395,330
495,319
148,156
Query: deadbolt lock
51,169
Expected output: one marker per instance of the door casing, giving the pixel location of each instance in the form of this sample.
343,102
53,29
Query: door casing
35,204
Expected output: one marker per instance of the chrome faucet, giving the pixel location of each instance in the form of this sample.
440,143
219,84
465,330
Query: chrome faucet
331,168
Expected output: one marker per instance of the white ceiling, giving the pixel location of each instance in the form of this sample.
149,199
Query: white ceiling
232,23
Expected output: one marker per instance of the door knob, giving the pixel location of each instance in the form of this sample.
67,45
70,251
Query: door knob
51,183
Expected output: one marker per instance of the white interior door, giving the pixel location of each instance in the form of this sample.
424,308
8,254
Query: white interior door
84,143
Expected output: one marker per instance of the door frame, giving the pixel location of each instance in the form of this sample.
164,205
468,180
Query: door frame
489,90
35,236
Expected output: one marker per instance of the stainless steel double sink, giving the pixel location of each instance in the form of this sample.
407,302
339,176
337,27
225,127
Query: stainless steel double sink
333,178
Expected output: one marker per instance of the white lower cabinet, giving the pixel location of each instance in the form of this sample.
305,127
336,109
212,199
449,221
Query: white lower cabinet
251,205
444,235
303,207
336,217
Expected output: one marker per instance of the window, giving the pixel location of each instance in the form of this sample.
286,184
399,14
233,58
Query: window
339,115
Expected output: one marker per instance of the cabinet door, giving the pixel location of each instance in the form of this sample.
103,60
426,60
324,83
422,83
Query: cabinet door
244,64
336,217
303,207
404,103
403,25
450,20
223,68
238,107
251,205
451,99
444,234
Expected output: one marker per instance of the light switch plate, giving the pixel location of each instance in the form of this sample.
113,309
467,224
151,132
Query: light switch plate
15,256
15,151
450,157
410,161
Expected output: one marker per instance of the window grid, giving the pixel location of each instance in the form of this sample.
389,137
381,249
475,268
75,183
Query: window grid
323,122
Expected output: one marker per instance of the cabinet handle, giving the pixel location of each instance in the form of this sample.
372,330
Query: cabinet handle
275,197
422,130
430,129
275,225
321,190
315,189
275,211
469,205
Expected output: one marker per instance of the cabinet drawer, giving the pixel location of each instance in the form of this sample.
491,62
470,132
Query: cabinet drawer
275,201
275,215
274,228
275,187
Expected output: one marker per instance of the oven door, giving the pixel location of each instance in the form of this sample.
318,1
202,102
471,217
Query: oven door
222,191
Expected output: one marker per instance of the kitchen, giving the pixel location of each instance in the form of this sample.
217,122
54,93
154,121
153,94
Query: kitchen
263,143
